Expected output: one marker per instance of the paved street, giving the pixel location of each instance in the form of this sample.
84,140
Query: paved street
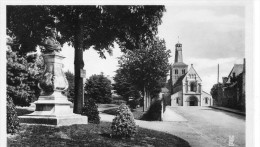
211,125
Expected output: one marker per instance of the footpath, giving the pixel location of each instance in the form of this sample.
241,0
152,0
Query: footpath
229,110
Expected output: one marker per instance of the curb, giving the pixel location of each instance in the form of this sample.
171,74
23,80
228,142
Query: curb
231,111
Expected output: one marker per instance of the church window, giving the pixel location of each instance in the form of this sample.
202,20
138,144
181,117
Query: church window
183,71
176,71
193,87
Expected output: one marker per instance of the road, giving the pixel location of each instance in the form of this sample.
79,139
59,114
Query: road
211,127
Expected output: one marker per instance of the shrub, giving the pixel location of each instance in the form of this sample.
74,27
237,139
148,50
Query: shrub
90,109
12,119
123,125
154,112
133,104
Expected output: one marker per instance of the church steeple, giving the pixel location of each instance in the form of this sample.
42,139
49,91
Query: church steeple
178,69
178,53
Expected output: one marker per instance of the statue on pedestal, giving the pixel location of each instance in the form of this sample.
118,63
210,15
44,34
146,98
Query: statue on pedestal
53,77
53,108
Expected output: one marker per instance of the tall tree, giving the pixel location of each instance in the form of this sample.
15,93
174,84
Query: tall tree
147,67
87,26
124,86
98,87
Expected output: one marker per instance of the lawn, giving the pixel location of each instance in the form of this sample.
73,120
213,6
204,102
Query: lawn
89,135
138,112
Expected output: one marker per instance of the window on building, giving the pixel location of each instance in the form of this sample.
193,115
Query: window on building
193,86
177,100
183,71
176,71
206,100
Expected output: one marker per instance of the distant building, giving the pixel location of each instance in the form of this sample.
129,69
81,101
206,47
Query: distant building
234,88
185,86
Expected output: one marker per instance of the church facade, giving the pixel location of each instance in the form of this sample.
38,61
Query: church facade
185,85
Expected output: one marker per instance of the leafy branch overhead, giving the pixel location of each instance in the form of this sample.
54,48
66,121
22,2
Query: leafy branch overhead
102,25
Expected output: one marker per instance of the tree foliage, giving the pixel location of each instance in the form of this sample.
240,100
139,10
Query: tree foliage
27,25
148,66
12,118
98,87
23,72
124,87
90,109
123,125
216,91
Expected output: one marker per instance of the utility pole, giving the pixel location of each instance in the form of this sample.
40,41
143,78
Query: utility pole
218,75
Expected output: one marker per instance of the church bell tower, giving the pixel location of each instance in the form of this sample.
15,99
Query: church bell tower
179,68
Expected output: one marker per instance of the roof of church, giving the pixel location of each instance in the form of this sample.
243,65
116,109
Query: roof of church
237,69
179,64
179,81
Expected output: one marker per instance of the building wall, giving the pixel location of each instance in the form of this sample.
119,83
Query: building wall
174,97
208,102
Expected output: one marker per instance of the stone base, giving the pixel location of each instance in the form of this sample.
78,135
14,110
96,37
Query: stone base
64,120
53,110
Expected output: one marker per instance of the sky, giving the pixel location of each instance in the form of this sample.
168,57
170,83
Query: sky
210,35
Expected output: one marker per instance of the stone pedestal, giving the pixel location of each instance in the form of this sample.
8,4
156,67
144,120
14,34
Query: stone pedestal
52,107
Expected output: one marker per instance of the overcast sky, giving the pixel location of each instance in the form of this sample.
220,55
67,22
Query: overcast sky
209,35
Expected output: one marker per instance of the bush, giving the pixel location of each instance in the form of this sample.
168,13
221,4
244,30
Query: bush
90,109
123,125
12,119
154,112
133,104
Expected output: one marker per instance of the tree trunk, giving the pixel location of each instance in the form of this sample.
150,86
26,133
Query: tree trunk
144,107
78,65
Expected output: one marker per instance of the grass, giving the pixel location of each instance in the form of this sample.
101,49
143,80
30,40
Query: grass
93,135
89,135
138,112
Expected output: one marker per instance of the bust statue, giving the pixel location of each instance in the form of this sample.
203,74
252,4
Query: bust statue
50,43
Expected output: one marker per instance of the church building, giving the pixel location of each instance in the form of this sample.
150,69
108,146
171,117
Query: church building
185,86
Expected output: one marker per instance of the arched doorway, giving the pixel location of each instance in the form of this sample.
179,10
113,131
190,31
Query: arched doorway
192,101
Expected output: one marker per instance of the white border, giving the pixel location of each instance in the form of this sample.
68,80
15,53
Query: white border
252,52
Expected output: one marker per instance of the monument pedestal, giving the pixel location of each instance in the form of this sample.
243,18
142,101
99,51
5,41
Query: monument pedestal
53,108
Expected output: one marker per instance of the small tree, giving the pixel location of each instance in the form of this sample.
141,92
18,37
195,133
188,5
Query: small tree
90,109
99,88
12,119
23,73
123,125
217,92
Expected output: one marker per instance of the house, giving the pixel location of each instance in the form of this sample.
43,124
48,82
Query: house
234,88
